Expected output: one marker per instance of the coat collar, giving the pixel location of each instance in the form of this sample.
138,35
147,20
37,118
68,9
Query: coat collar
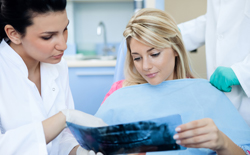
49,75
12,57
49,70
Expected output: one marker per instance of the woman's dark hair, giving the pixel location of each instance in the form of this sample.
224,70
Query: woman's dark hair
19,13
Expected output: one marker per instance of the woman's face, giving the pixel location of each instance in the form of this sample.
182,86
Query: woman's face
45,40
155,66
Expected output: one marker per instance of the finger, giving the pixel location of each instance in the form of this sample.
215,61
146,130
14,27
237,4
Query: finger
208,144
196,140
99,153
193,124
227,89
91,152
192,133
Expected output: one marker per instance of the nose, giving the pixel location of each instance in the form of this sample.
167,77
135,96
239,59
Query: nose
61,43
147,65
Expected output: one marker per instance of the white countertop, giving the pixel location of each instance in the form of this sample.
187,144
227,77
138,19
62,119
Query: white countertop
76,61
91,63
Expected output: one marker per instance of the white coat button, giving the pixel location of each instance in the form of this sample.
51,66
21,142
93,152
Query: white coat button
53,89
220,37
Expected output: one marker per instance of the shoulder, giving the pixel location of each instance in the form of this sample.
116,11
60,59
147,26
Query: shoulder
117,85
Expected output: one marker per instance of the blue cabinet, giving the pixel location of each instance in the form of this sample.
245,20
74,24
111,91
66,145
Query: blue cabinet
89,85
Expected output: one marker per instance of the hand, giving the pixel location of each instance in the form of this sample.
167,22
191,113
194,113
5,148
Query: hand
83,119
201,133
223,78
82,151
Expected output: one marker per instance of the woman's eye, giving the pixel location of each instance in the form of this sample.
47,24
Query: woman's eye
155,55
46,38
137,59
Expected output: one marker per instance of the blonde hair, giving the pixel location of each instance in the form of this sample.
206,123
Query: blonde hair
157,29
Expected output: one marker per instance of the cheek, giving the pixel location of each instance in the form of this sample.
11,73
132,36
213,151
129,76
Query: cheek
137,67
43,48
167,63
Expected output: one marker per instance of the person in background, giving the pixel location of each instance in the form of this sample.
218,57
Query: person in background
35,97
224,29
155,54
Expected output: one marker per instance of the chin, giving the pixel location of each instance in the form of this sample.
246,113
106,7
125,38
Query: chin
54,61
155,82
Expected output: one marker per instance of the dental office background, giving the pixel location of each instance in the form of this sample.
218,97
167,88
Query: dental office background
95,34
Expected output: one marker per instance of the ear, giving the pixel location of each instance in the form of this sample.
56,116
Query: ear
176,54
12,34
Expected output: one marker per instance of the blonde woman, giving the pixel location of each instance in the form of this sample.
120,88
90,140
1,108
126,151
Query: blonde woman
156,64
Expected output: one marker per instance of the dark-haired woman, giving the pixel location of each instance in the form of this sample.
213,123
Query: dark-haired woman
34,86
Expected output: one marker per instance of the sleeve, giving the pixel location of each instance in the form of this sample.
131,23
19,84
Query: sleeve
117,85
27,139
193,32
67,141
241,70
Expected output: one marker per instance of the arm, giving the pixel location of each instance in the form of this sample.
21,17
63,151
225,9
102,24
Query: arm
241,69
224,78
193,32
53,126
204,133
27,139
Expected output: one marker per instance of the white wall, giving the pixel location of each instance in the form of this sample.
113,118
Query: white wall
87,16
184,10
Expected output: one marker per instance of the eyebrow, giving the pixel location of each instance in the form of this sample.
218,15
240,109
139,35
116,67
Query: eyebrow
53,32
147,51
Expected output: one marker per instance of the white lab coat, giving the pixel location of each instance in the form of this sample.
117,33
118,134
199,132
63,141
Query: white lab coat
225,29
22,108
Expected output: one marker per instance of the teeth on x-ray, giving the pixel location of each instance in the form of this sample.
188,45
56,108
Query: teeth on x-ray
137,137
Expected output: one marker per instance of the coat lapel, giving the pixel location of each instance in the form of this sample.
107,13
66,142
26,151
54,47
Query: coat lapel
49,87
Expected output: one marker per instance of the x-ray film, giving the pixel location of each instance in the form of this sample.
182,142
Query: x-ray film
137,137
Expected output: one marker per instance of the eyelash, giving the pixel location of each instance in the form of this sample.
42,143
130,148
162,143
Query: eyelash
47,38
155,55
137,59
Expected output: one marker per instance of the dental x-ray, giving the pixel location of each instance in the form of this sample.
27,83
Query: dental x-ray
136,137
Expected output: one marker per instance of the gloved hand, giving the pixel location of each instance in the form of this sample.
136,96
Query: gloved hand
223,78
83,119
82,151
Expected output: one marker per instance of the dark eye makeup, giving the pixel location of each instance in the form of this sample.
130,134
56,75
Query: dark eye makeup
47,37
137,59
156,54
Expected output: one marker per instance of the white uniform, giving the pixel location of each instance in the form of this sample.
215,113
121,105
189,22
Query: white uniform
225,29
22,108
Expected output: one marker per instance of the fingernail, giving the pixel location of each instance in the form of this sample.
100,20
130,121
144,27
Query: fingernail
91,152
178,141
176,136
178,129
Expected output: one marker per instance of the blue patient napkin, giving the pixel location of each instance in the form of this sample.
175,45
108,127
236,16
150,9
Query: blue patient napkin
193,99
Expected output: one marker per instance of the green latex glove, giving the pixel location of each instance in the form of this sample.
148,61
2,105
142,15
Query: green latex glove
223,78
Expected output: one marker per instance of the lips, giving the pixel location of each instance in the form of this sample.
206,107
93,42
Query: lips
58,56
151,75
